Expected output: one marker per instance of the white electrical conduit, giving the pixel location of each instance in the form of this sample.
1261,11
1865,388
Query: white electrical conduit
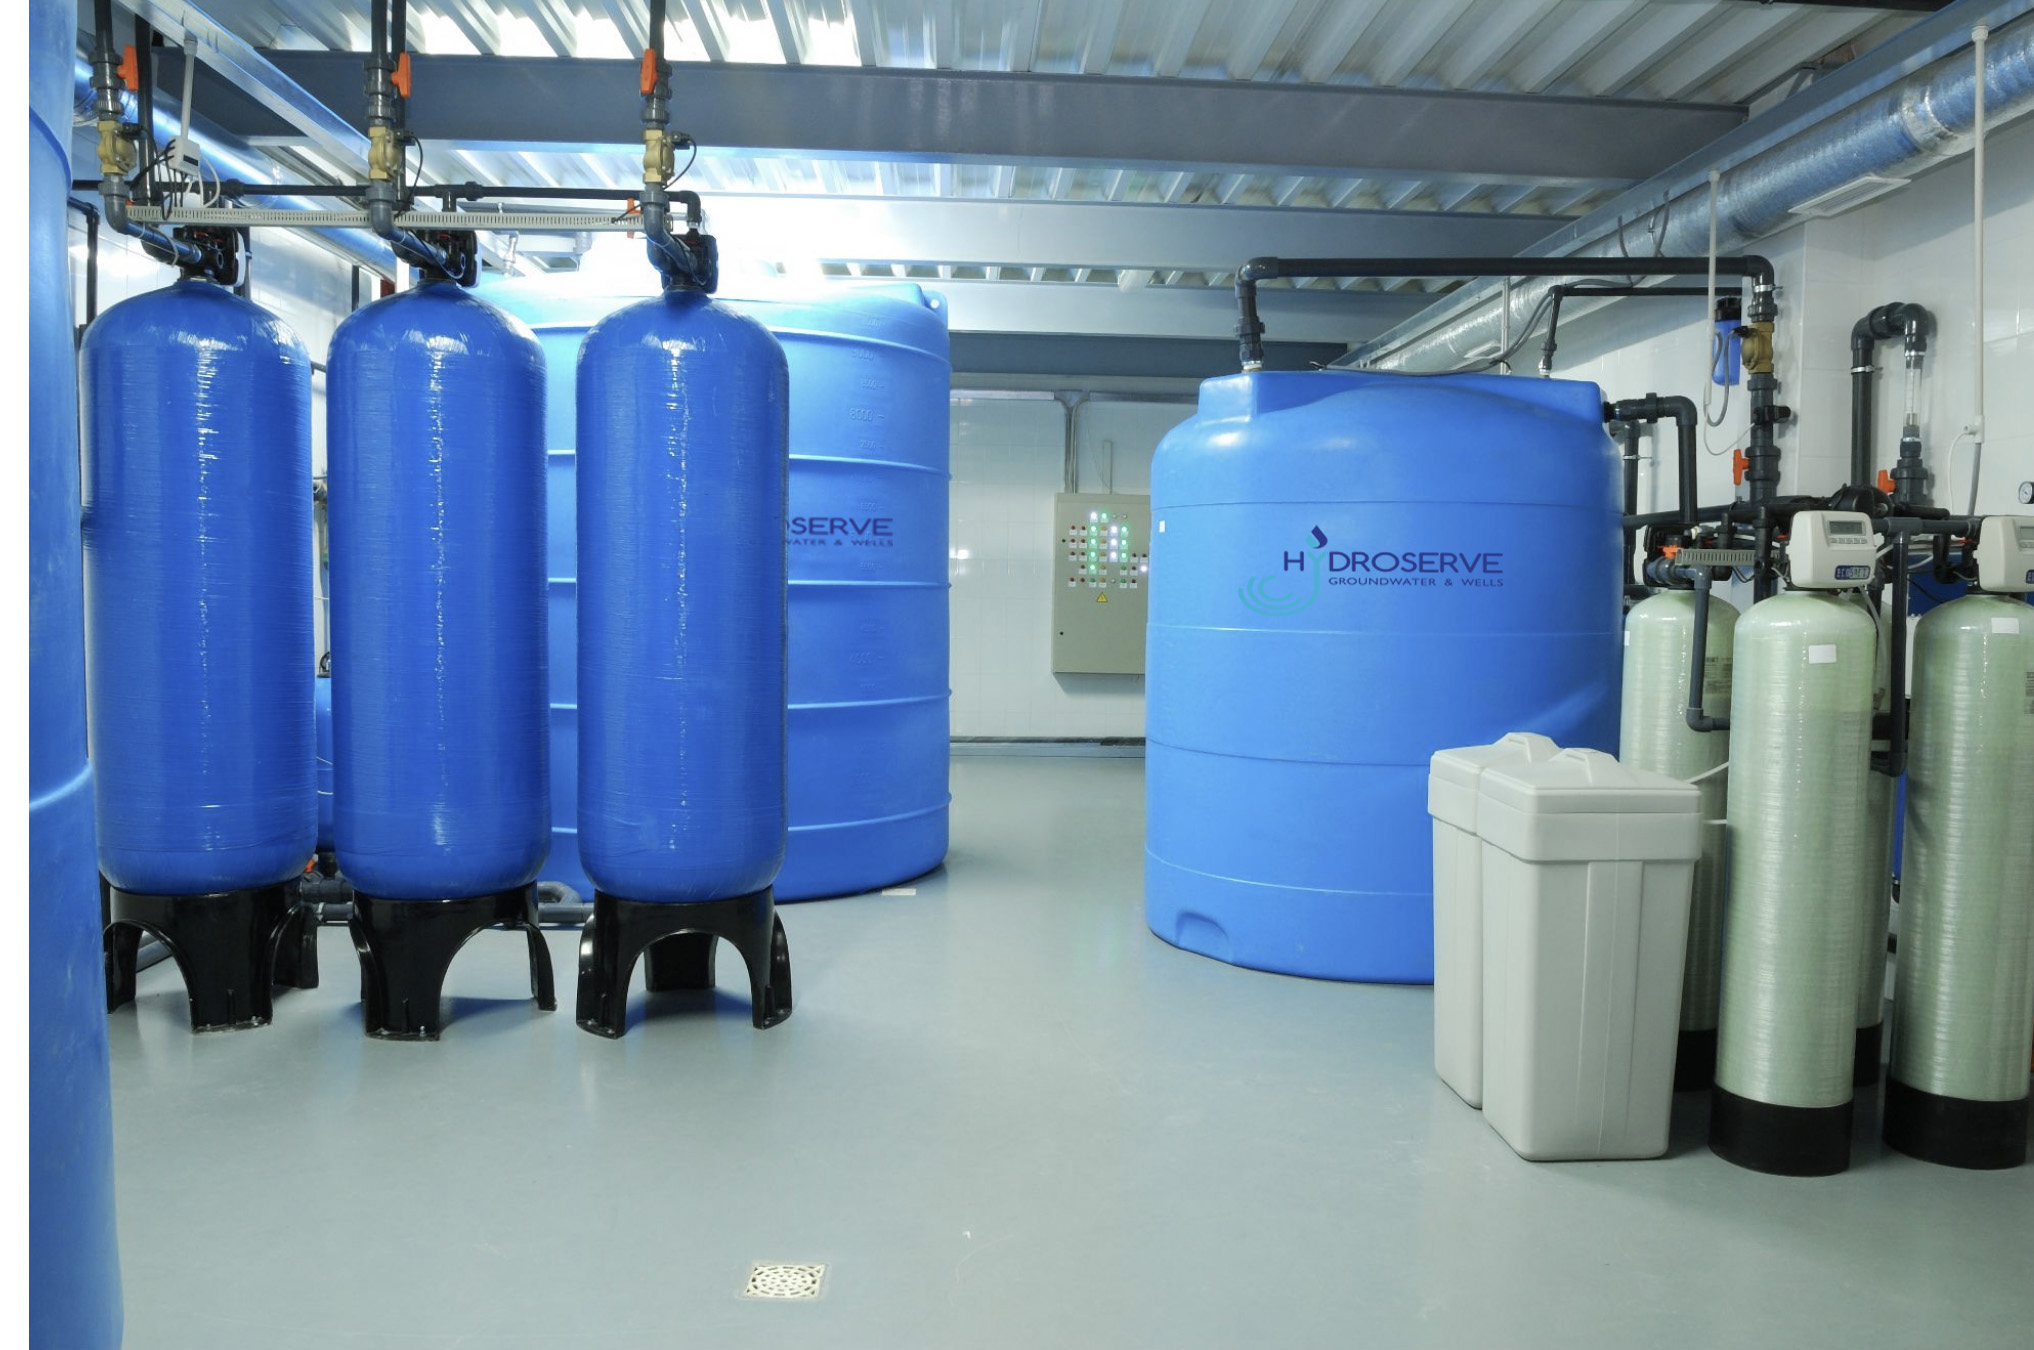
1979,37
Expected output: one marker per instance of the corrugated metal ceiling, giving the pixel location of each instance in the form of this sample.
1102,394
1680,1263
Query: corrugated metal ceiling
1704,51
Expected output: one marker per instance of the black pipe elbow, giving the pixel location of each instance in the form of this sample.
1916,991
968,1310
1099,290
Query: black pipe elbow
1912,323
1259,269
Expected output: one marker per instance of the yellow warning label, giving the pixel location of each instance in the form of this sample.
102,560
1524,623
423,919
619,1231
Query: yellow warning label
1102,599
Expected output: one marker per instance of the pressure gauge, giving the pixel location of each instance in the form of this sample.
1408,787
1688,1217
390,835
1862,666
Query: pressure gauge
2027,493
2005,554
1831,550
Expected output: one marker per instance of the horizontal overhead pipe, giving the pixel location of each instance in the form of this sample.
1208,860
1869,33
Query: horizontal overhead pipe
1910,123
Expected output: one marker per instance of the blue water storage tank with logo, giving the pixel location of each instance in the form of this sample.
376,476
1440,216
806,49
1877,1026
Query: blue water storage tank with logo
869,732
324,713
1351,571
73,1261
198,628
441,780
868,683
682,477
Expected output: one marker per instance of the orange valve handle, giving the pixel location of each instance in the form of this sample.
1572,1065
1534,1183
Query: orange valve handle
1738,464
1885,483
649,78
130,70
401,78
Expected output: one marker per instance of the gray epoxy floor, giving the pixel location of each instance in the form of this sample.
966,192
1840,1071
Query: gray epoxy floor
1003,1115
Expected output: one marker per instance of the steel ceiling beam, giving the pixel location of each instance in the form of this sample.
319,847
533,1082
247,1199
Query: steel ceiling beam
1090,358
997,117
1341,317
975,232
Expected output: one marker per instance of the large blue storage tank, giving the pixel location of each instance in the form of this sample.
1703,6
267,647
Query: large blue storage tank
682,475
1351,571
868,685
440,774
73,1262
198,628
869,731
324,715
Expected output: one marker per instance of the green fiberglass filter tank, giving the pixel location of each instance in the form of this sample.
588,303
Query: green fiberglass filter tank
1350,572
1963,1008
1800,737
1659,643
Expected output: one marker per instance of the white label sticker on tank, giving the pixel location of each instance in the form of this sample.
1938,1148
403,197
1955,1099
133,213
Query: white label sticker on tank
2006,626
1627,637
1820,654
1161,527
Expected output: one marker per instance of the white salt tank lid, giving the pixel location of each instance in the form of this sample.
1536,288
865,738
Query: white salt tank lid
1584,806
1452,775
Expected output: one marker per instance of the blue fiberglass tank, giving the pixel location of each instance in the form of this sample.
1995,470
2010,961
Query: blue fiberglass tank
1351,571
73,1262
682,477
868,685
440,764
198,630
869,732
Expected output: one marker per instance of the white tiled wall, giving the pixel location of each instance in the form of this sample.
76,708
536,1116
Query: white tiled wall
1911,245
1008,461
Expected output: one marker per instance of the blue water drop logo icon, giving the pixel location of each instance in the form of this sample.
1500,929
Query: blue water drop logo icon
1274,595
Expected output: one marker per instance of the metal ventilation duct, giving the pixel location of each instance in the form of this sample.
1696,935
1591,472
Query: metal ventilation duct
1914,122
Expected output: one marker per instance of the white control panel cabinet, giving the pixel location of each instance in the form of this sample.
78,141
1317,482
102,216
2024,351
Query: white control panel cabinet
1100,583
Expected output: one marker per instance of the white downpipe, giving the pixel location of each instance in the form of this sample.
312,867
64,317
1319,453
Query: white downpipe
1979,36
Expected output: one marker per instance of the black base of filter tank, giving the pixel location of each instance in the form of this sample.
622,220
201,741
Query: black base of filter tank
1695,1061
1955,1131
1787,1141
231,947
406,947
676,942
1864,1064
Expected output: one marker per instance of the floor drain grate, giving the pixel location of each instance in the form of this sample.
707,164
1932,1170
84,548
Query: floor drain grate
768,1279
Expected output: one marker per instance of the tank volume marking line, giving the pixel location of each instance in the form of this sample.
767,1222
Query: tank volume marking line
898,464
860,821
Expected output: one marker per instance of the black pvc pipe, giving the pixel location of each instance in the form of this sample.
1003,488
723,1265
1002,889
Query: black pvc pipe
91,215
1901,320
1250,328
1658,408
1561,292
144,107
1698,718
1896,701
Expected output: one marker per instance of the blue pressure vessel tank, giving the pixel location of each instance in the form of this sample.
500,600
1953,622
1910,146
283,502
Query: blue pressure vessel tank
869,741
198,561
440,774
73,1262
1351,571
682,473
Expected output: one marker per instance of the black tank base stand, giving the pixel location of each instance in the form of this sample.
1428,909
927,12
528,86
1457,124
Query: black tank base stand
1955,1131
406,946
231,947
676,942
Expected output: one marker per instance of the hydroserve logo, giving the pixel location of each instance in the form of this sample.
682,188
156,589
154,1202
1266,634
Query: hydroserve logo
1297,583
1280,593
843,531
